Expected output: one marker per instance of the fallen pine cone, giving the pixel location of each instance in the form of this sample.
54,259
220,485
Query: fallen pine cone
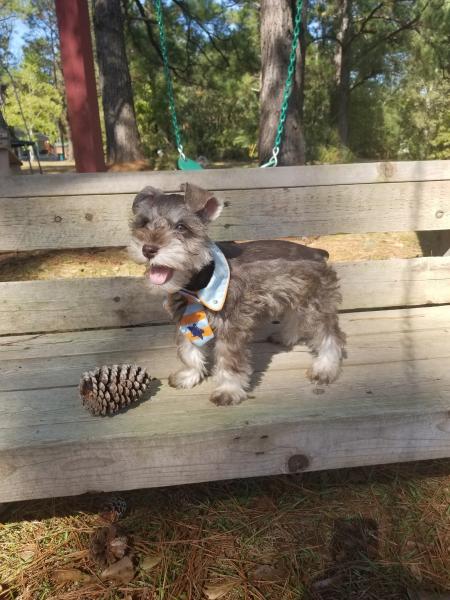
107,390
113,509
121,572
108,545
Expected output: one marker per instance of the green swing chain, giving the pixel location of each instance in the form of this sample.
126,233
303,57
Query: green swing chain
273,161
173,113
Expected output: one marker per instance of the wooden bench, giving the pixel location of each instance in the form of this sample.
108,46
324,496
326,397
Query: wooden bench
391,403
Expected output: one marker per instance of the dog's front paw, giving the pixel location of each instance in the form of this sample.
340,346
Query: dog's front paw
185,379
319,373
227,397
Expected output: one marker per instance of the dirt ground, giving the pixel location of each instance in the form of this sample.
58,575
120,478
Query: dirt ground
362,534
110,262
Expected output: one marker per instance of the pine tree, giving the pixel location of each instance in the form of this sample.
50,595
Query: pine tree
122,136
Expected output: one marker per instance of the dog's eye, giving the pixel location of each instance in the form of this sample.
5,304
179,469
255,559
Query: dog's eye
180,227
141,221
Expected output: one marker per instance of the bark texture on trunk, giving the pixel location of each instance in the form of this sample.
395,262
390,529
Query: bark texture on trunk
122,136
276,39
4,133
341,97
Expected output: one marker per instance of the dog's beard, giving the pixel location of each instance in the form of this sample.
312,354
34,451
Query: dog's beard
175,264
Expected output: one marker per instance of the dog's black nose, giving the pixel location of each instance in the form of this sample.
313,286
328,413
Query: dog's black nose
149,250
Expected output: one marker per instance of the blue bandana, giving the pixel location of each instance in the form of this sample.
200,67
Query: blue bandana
194,322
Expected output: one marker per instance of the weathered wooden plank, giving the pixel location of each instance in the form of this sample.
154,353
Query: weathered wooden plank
394,282
53,414
427,319
39,306
391,404
225,179
156,352
102,220
374,414
27,306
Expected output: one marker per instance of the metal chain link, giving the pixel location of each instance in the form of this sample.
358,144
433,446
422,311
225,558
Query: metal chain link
273,161
163,44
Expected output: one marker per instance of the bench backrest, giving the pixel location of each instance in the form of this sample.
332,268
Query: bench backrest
93,210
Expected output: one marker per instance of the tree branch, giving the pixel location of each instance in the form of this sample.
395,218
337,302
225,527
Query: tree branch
182,6
364,23
148,23
403,27
363,80
320,38
148,26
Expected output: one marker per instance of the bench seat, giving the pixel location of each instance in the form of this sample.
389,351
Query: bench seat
390,404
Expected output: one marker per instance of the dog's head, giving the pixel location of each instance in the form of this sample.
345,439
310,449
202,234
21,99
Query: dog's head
169,233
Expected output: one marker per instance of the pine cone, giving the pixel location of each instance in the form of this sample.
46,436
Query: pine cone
107,545
109,389
113,509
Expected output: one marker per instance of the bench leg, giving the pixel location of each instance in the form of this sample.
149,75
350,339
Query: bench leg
434,243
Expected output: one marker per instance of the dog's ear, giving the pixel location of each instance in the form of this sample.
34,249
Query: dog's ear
145,196
202,202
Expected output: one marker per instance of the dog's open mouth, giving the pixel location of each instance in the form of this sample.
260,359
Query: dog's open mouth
159,275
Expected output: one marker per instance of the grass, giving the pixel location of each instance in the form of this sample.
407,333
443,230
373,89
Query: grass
350,534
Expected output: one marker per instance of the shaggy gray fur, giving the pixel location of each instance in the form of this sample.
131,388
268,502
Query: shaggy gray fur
269,280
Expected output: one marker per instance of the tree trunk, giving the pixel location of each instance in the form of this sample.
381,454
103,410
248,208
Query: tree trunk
122,136
5,141
301,59
341,97
276,39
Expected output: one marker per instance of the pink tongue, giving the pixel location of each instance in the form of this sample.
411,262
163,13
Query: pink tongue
159,275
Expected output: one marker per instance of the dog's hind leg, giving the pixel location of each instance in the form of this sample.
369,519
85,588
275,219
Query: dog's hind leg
194,357
290,331
327,343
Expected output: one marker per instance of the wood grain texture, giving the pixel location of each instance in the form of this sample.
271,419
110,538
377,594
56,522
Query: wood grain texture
30,306
391,404
130,339
57,360
224,179
102,220
394,282
58,305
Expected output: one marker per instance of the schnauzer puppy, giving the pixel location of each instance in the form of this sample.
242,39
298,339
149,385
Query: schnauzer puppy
219,293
